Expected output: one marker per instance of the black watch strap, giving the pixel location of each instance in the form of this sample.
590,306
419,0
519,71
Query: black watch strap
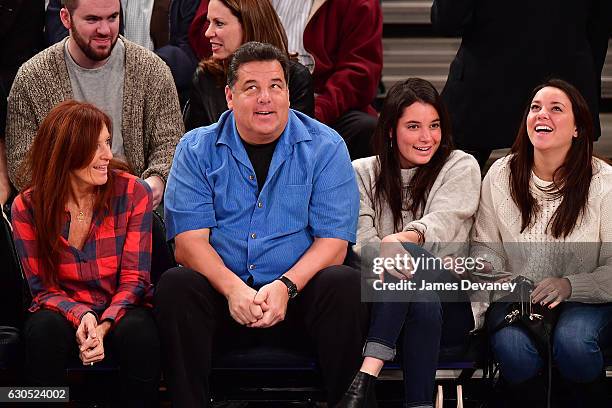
291,287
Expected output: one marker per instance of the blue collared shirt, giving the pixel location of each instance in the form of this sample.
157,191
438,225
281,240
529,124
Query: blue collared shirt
310,192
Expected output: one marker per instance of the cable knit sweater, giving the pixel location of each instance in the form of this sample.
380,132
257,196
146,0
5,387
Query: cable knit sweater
151,121
449,209
584,257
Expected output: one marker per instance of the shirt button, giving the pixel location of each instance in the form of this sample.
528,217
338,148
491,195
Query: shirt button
251,266
260,204
251,177
253,235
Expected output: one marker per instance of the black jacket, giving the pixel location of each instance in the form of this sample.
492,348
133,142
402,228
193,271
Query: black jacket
207,96
508,48
21,36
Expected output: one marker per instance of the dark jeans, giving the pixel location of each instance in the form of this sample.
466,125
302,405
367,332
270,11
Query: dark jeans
50,344
194,320
357,129
418,328
581,333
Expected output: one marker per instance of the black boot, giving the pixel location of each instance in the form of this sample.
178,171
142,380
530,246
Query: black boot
589,395
361,393
528,394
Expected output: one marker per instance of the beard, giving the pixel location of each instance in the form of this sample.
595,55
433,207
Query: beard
88,50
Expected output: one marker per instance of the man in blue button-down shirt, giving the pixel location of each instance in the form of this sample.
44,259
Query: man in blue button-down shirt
261,206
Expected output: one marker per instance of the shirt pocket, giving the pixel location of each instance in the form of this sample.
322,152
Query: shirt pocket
290,210
109,249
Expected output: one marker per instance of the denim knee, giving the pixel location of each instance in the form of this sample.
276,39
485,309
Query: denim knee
426,310
516,353
577,354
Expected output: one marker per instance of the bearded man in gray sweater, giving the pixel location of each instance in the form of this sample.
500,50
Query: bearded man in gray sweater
94,64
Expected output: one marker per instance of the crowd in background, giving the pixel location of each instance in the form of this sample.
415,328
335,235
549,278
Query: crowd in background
241,118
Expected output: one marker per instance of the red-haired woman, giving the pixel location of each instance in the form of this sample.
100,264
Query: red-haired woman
83,232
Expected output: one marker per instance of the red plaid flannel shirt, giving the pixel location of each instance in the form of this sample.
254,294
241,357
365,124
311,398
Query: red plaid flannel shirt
112,271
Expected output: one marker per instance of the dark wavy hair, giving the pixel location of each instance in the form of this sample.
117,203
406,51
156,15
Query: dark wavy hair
388,188
571,180
255,51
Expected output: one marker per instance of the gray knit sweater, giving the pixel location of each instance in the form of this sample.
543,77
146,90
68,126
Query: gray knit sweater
151,121
448,213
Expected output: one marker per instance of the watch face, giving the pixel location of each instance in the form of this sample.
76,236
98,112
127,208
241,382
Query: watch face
291,287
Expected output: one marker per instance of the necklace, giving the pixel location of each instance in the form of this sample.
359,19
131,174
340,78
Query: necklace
82,213
81,216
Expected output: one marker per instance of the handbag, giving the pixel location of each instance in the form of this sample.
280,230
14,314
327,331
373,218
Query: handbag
537,319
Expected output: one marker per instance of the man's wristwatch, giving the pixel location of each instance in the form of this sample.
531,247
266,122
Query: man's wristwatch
292,289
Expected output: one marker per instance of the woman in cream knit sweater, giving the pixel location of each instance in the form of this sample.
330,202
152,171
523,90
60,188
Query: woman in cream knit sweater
546,213
416,191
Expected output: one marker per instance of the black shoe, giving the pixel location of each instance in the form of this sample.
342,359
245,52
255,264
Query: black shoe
528,394
588,395
361,393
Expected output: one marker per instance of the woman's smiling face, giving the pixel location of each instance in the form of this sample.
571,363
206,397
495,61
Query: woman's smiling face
224,31
418,134
550,121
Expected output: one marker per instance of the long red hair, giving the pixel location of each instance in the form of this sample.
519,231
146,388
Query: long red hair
67,140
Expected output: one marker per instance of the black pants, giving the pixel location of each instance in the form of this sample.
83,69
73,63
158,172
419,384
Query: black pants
193,319
357,129
50,342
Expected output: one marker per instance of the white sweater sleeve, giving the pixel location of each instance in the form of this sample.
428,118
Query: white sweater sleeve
486,241
596,286
452,204
366,231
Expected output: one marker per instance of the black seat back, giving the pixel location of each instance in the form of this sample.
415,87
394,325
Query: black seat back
162,256
13,296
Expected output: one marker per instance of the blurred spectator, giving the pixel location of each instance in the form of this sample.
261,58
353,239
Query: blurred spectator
344,39
508,48
22,22
158,25
237,22
132,85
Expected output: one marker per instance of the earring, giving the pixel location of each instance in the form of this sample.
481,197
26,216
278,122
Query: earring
391,143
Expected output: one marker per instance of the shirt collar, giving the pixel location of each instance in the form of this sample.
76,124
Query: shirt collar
294,132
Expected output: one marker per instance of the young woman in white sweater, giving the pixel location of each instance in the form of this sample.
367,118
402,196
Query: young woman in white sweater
417,190
546,213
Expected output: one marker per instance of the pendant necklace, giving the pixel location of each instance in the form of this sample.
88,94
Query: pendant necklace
80,216
81,213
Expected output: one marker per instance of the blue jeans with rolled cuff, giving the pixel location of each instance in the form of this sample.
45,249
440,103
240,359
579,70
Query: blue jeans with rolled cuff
418,327
582,332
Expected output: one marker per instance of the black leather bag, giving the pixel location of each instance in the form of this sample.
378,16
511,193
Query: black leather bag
537,319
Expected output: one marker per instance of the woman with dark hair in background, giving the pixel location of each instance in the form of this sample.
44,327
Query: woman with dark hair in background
546,214
83,233
231,24
416,191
